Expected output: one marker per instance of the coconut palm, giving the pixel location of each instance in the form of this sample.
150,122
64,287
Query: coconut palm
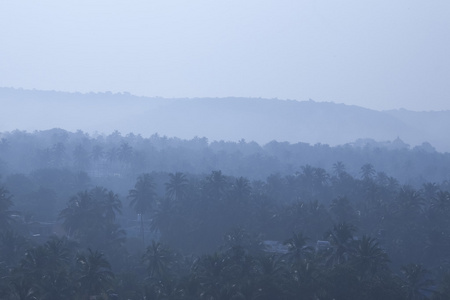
298,248
341,239
441,202
142,197
338,168
216,184
90,215
81,215
176,188
417,281
94,274
58,251
108,202
367,171
369,258
157,258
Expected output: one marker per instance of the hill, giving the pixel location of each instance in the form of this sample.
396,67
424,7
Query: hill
229,119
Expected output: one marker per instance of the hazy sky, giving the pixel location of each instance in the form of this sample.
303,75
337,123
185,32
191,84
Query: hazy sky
380,54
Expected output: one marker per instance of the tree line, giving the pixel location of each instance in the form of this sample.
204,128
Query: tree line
102,155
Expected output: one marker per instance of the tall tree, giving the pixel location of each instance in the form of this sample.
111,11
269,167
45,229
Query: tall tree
157,258
369,258
90,216
341,238
417,281
176,188
142,198
94,274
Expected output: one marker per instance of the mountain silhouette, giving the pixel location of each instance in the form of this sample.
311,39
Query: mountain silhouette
229,119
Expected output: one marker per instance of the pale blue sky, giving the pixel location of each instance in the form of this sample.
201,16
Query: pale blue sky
377,54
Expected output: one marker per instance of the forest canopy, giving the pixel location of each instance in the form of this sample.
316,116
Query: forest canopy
127,217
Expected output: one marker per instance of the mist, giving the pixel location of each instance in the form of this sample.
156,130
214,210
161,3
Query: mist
224,150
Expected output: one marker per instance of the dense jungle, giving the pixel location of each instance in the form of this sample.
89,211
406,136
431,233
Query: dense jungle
126,217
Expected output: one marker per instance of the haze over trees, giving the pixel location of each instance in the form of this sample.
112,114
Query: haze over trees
182,191
128,217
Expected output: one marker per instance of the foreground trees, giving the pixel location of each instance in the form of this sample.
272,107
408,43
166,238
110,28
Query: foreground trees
214,231
90,218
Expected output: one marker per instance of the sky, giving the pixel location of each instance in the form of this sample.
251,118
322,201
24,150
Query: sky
378,54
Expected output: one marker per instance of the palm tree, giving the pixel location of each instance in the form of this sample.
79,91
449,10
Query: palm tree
341,238
338,168
298,248
94,274
108,203
90,214
35,263
56,282
216,184
176,187
142,198
369,258
321,177
409,202
367,172
441,202
81,215
58,252
157,258
416,281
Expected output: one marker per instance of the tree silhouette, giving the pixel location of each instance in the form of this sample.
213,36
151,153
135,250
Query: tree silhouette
367,172
216,185
417,282
341,238
142,198
338,168
94,274
369,258
90,215
176,188
157,259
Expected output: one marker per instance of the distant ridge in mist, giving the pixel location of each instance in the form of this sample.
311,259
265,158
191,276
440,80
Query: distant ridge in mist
260,120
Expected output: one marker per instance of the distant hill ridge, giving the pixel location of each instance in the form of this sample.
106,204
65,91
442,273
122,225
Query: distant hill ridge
260,120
